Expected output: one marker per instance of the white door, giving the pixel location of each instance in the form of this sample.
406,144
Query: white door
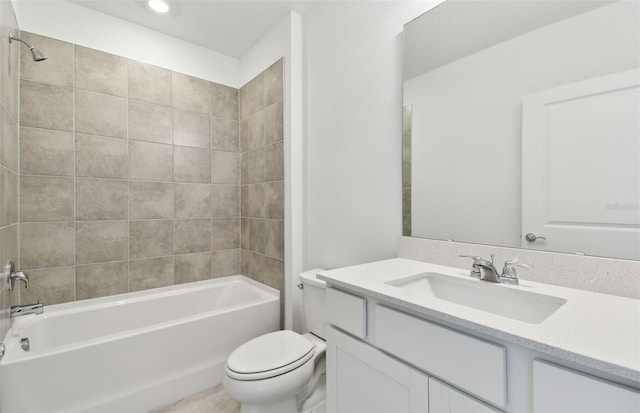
581,167
361,378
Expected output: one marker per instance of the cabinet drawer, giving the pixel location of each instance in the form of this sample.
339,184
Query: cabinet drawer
558,389
469,363
347,311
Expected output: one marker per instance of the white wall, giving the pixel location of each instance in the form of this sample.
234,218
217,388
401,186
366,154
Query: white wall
466,176
75,24
285,40
353,130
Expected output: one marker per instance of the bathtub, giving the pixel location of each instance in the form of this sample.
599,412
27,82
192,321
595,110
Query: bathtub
132,352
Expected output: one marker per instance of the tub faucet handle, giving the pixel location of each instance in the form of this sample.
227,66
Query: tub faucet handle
14,275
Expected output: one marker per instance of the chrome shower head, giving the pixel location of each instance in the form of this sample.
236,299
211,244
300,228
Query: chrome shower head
38,56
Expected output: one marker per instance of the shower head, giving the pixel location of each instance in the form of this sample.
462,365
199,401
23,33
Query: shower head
38,56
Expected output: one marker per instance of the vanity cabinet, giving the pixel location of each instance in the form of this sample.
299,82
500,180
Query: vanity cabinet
558,389
445,399
361,378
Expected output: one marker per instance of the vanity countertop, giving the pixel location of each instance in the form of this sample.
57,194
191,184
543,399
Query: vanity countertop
595,330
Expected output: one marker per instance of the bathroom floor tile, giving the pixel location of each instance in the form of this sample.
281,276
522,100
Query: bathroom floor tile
212,400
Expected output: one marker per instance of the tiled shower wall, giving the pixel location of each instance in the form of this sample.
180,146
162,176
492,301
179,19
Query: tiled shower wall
262,177
407,112
130,175
9,175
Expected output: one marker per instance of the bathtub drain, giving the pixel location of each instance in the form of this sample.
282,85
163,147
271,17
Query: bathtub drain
24,343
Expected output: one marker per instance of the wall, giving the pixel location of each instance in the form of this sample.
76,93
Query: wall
129,176
353,127
472,111
76,24
9,160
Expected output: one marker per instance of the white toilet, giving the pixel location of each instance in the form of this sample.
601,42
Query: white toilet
279,371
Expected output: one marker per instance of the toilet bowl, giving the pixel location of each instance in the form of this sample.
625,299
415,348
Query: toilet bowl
277,372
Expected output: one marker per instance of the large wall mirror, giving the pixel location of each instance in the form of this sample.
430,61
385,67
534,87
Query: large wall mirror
522,125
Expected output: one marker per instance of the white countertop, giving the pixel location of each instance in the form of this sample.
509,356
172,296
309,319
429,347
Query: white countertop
596,330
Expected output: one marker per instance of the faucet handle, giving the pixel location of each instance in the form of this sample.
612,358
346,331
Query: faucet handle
475,271
509,269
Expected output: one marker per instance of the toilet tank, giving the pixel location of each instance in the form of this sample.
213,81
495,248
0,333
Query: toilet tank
313,305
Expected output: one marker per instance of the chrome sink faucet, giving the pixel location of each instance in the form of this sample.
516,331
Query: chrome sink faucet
487,271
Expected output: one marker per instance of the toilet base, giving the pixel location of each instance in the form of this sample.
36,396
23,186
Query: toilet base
284,406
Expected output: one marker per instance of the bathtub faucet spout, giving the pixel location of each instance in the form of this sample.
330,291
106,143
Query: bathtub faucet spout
17,310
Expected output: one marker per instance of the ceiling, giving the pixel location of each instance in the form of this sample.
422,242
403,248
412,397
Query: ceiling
458,28
229,27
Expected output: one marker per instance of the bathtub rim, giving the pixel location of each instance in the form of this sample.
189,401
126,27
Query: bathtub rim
14,354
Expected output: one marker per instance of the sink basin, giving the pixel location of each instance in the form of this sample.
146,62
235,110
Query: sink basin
481,295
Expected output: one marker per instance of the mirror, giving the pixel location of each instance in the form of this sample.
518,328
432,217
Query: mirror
521,125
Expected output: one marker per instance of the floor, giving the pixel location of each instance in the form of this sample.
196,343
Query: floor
213,400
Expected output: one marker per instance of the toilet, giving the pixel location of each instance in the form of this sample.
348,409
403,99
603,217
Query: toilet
283,371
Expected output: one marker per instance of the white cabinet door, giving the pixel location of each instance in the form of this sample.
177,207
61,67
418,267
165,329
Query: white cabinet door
444,399
361,378
557,389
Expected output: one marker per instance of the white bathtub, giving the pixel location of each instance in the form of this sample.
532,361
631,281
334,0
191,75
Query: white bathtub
132,352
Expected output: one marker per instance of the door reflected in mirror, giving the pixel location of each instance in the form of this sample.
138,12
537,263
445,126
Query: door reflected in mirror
522,125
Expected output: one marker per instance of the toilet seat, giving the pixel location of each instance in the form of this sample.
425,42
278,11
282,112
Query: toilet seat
269,355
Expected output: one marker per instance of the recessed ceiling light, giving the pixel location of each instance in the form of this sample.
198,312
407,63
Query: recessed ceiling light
159,6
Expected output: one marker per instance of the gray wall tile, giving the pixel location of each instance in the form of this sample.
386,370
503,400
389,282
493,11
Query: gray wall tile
101,157
150,238
253,166
273,81
150,161
225,233
225,135
225,262
150,200
191,164
9,199
50,286
57,69
149,83
99,280
252,97
46,152
9,249
191,129
45,245
102,241
150,273
100,199
274,199
9,146
11,60
224,101
101,114
192,200
273,123
192,235
192,267
225,168
257,235
274,238
274,162
44,198
100,72
148,122
225,200
252,132
46,106
190,93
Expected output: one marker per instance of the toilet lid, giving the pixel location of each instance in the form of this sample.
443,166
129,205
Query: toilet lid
272,352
